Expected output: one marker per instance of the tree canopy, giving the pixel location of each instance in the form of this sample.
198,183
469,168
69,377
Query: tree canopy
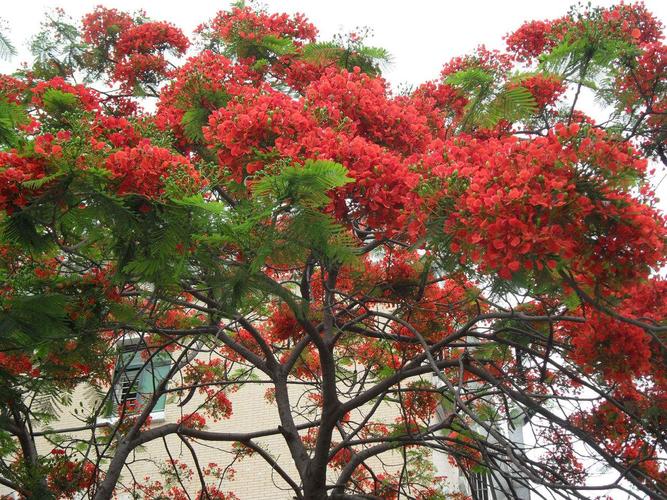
259,207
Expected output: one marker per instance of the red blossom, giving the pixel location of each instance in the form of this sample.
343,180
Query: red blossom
251,25
14,171
192,421
144,170
103,26
88,98
545,89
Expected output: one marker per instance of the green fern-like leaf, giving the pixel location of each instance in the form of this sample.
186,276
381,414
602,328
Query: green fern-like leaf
511,104
38,183
21,230
487,105
58,102
279,46
7,49
307,184
31,319
369,59
193,121
11,115
321,52
471,80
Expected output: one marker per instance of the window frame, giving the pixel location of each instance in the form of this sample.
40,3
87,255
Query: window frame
480,485
131,346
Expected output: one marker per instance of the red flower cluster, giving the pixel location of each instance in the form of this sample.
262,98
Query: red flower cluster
646,74
200,82
545,89
307,367
360,103
419,403
116,132
192,421
66,477
523,205
623,352
492,61
247,24
206,373
18,364
140,52
628,22
103,26
535,37
246,131
88,98
14,171
136,48
622,435
158,36
340,459
383,191
439,309
562,459
440,103
632,22
47,145
144,170
282,325
12,88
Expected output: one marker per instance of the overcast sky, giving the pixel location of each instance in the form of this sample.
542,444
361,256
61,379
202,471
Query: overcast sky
421,35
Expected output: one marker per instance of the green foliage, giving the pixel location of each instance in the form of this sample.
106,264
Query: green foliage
20,229
11,116
586,57
59,102
511,104
150,250
471,80
7,444
268,48
487,104
38,183
572,301
29,319
306,185
299,192
7,49
370,60
57,49
321,52
319,232
193,121
276,45
196,117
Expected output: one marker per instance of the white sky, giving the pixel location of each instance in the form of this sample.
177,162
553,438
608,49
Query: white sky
421,35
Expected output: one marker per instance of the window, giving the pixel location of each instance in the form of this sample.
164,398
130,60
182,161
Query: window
137,376
479,486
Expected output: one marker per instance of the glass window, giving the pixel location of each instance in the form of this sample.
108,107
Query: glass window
479,484
137,376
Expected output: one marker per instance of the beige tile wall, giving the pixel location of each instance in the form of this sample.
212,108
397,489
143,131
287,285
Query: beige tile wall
253,479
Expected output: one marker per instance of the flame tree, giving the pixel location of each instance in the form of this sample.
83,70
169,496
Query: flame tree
477,254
